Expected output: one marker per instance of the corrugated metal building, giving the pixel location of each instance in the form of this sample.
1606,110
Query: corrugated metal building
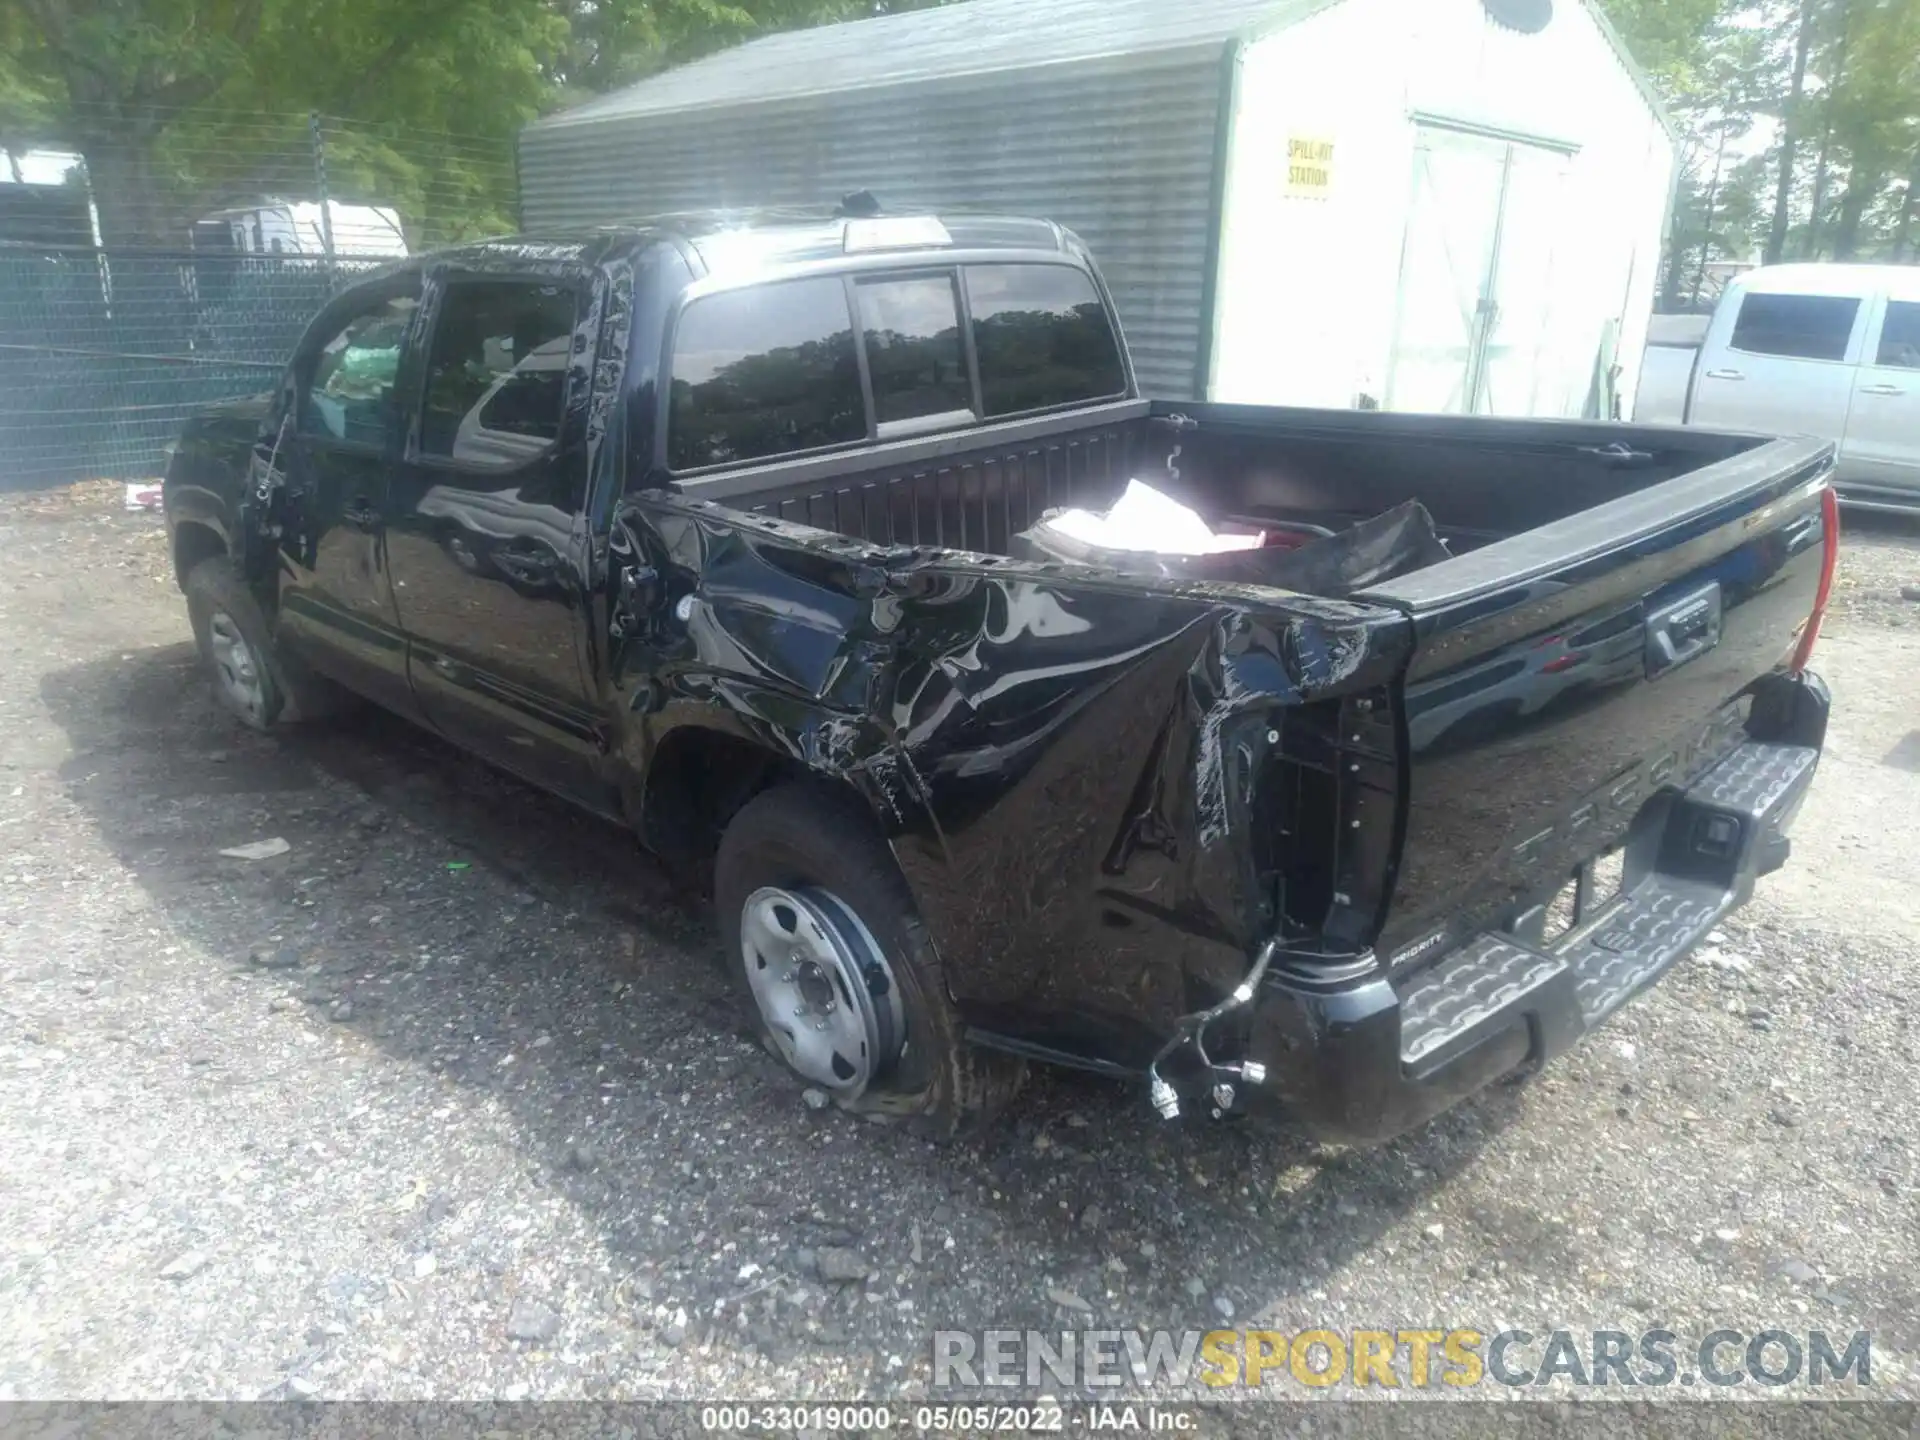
1293,201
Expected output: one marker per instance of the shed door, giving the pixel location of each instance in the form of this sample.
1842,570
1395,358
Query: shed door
1476,275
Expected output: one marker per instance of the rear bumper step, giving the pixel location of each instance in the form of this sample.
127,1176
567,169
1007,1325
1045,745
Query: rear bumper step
1565,992
1387,1054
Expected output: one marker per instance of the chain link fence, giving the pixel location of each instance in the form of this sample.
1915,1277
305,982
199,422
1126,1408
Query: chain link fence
143,279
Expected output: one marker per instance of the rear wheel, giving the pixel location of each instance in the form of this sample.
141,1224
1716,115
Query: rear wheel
821,986
841,980
253,682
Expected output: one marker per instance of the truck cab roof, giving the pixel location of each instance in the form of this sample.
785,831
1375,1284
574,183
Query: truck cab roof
727,243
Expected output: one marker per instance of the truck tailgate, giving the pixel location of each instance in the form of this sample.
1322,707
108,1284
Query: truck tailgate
1565,677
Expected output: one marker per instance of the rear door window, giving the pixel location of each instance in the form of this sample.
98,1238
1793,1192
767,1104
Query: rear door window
497,373
915,354
1043,338
765,371
1802,327
1900,336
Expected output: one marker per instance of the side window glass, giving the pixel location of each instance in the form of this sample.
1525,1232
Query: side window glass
497,373
1801,327
1043,337
914,351
1900,336
350,393
769,370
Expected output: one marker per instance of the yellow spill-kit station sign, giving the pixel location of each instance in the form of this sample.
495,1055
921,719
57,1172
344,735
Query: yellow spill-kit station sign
1309,168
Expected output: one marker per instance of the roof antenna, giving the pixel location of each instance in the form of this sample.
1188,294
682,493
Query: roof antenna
860,205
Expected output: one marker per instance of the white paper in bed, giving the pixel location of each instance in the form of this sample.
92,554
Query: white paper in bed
1144,521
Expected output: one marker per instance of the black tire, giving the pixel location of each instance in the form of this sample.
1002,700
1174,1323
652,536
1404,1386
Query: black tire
289,693
802,835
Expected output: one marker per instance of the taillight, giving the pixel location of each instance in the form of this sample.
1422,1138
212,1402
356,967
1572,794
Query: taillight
1810,635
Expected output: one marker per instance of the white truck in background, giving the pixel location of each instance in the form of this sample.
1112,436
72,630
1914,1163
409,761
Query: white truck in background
1825,350
300,227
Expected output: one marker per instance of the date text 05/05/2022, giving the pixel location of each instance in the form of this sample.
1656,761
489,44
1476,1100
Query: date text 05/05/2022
1041,1418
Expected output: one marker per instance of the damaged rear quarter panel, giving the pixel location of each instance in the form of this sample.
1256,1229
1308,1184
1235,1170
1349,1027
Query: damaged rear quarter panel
1063,758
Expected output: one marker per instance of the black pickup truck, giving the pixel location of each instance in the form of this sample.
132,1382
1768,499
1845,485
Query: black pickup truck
715,525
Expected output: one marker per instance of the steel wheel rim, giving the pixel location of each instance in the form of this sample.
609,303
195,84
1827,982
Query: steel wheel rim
823,987
235,666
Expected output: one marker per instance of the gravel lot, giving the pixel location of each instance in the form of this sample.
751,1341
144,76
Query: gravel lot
449,1100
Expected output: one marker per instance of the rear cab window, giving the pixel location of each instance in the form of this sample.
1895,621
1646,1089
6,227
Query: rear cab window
916,354
1798,327
792,367
1044,338
764,371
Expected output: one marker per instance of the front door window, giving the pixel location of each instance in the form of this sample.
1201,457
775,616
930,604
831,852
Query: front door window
349,393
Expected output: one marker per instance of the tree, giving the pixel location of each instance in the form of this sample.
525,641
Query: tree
614,42
1767,85
166,98
1834,71
1714,74
107,75
1876,121
1903,235
1667,37
1793,119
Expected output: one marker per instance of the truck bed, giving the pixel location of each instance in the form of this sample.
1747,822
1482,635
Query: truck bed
1482,480
1617,598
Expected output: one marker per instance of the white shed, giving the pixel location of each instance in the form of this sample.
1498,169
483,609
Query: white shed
1452,205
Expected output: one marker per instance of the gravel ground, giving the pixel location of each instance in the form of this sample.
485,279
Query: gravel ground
449,1099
